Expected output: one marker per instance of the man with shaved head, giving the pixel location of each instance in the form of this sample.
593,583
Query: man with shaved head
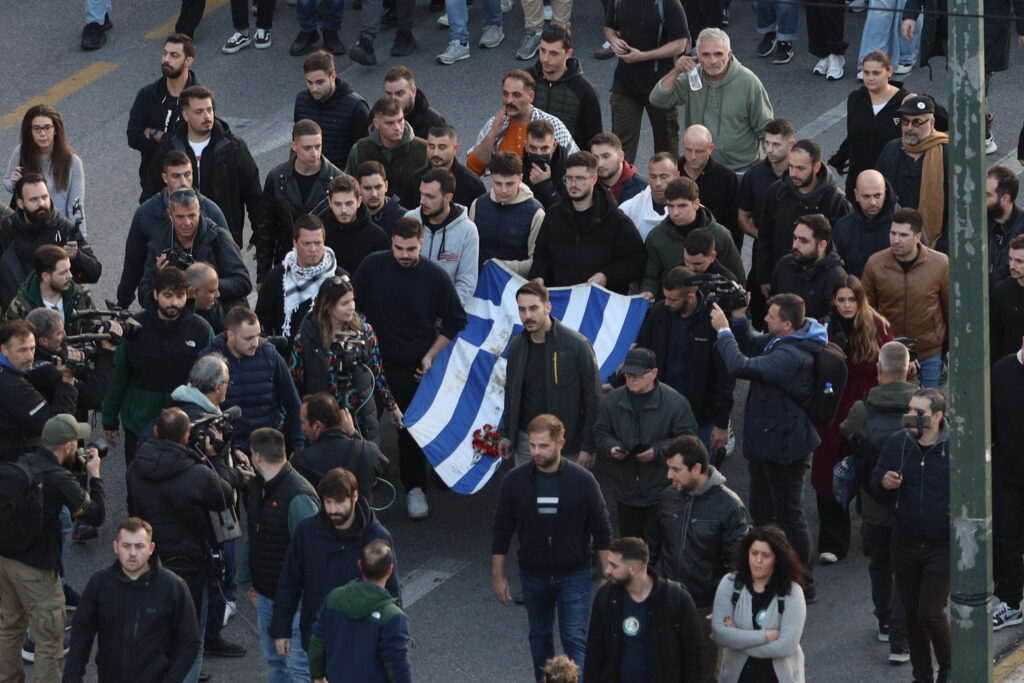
865,230
718,184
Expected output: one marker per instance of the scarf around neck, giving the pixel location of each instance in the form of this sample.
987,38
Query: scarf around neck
301,283
931,202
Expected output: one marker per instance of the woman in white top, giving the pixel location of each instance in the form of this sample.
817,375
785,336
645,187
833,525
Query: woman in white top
759,612
44,149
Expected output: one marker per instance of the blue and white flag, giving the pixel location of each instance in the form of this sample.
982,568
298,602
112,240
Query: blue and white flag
465,387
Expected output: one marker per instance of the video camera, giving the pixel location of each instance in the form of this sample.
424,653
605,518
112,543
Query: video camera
94,326
203,428
350,351
718,289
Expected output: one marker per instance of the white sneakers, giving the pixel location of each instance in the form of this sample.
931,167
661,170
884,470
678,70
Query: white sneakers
821,67
831,67
416,504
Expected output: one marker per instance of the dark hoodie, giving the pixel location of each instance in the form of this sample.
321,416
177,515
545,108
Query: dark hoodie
147,627
665,243
781,373
227,175
783,206
344,117
388,215
19,239
856,237
423,117
609,243
173,490
866,132
320,558
375,633
355,241
921,503
572,99
814,282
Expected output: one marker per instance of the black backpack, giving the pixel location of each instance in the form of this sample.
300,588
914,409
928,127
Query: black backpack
21,507
830,374
880,424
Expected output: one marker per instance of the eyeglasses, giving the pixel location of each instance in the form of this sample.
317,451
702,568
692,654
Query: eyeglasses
227,382
48,128
915,123
576,179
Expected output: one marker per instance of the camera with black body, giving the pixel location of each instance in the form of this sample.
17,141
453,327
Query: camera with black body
80,367
96,323
911,345
350,351
208,428
280,343
718,289
178,257
83,456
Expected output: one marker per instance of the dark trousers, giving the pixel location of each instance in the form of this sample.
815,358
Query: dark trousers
712,655
1008,541
922,580
131,444
220,594
411,461
637,522
702,14
834,527
888,606
825,27
777,497
628,117
264,14
190,16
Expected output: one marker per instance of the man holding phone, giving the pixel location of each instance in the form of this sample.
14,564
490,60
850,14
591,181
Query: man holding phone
636,423
913,471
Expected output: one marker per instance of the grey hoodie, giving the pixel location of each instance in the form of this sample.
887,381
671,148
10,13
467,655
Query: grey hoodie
456,248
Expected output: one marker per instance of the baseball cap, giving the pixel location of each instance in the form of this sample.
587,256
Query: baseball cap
918,104
63,428
639,361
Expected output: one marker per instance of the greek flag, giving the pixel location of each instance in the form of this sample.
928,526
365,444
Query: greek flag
465,387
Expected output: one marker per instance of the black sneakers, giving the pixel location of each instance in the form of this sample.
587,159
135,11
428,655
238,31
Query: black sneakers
363,52
222,648
303,42
783,52
333,44
767,44
94,35
405,43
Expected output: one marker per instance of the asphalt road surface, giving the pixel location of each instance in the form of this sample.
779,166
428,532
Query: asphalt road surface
461,632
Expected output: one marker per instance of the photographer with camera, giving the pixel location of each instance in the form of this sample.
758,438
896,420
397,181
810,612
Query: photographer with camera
51,285
701,255
260,382
913,474
148,367
336,350
30,543
175,487
23,409
194,237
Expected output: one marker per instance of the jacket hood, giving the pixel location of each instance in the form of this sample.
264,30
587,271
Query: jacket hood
811,336
221,129
715,478
574,69
341,89
155,567
187,393
826,183
161,83
894,395
149,305
360,600
419,105
364,518
160,460
828,261
703,219
884,216
407,135
604,205
628,171
524,194
731,74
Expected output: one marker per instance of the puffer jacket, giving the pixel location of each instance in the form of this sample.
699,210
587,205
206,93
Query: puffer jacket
572,98
856,237
696,533
781,372
344,117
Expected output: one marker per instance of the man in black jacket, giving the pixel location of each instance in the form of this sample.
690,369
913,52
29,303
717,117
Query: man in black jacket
194,237
400,83
295,188
717,182
812,269
544,163
865,230
223,168
156,108
562,89
277,500
557,509
332,441
1005,220
23,409
350,231
442,144
587,238
1006,302
175,489
700,520
128,592
34,224
30,567
809,187
342,113
642,627
204,289
384,208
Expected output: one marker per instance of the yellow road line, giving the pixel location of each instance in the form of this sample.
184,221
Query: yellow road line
58,92
1009,665
167,28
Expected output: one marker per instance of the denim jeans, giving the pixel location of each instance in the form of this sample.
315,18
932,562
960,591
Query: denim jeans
781,17
882,32
458,14
291,669
931,371
570,595
96,11
306,11
201,610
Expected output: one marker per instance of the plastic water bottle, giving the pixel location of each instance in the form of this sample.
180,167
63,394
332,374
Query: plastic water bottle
828,389
694,77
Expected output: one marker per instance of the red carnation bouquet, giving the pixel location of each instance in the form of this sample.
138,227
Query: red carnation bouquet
485,442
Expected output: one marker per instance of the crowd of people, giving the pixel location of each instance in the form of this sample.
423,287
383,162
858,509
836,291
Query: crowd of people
249,402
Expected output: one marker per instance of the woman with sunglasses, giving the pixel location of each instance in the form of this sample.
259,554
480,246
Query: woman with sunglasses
44,149
336,351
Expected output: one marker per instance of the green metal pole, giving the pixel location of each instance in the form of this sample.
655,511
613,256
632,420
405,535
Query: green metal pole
970,471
